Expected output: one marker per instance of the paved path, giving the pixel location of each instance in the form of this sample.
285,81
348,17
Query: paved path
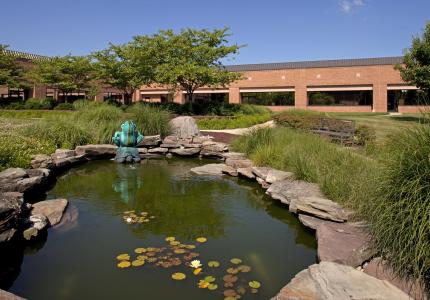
243,131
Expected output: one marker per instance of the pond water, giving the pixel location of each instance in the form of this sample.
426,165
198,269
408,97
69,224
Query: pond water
78,258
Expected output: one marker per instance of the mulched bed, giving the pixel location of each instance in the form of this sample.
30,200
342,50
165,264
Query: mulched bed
221,136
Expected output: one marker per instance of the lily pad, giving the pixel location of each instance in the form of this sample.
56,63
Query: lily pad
244,268
178,276
201,239
230,278
203,284
235,261
139,250
138,262
212,286
213,264
209,279
179,251
190,246
170,239
254,284
174,243
232,271
197,271
124,264
124,256
230,293
230,298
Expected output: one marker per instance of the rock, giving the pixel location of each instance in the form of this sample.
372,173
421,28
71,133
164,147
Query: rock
63,153
170,139
191,145
41,161
311,222
37,223
158,150
52,209
263,183
97,151
261,172
150,140
170,145
150,155
142,150
9,296
319,207
28,184
184,127
11,175
234,155
201,139
343,243
209,169
380,269
18,180
238,163
287,190
169,155
246,172
214,146
39,172
11,210
329,281
185,151
277,175
230,171
68,161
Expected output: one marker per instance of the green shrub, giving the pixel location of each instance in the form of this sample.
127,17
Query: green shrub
16,150
83,103
240,121
62,132
35,103
399,213
64,106
364,135
150,120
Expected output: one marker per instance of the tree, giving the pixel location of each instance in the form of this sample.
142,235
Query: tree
416,63
65,74
11,73
118,66
188,60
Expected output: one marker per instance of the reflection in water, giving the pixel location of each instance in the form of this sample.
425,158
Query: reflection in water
237,218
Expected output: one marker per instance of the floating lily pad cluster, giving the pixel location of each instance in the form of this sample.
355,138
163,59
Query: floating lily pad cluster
177,253
132,217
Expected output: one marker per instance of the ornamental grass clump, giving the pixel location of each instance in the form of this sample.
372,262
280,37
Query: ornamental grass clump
150,120
399,214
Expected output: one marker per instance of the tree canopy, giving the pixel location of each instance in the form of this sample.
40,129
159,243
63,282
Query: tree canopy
11,73
416,64
65,74
187,60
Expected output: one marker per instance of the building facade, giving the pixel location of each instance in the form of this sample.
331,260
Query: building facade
349,85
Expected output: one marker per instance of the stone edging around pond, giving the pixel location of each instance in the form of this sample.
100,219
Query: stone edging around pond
342,246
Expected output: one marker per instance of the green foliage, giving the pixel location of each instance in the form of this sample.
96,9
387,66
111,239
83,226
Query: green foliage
66,74
240,121
150,120
416,63
11,74
16,150
364,135
34,103
64,106
399,212
187,60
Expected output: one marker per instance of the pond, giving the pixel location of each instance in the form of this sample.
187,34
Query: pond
115,209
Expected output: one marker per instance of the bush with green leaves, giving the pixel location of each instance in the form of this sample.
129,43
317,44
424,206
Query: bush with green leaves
399,211
16,150
35,103
64,106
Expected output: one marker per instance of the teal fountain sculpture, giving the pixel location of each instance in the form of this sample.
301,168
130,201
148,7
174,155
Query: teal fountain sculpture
127,140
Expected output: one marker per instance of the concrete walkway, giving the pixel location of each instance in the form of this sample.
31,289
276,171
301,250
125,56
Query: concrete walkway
243,131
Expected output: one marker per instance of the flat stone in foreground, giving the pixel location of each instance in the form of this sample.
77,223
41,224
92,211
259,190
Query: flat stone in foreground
311,222
246,172
185,151
209,169
332,281
97,151
319,207
52,209
343,243
288,190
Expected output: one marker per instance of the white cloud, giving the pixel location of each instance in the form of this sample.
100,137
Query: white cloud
347,6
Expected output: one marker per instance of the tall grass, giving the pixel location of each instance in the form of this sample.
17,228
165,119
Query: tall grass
399,213
240,121
151,120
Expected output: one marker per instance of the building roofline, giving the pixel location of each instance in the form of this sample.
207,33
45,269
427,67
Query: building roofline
25,55
373,61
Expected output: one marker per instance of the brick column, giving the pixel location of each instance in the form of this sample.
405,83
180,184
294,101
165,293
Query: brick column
179,97
300,97
38,91
380,96
136,96
234,95
99,97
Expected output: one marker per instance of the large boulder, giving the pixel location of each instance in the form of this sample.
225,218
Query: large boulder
343,243
246,172
64,158
19,180
41,161
11,210
97,151
319,207
311,222
186,151
209,169
37,223
330,281
276,175
11,176
52,209
184,127
150,140
9,296
289,190
238,162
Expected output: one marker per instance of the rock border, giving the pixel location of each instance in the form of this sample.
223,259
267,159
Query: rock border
339,242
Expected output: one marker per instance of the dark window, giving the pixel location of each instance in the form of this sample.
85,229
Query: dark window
341,98
268,98
408,97
211,97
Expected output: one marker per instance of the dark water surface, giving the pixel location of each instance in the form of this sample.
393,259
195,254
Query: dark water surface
78,259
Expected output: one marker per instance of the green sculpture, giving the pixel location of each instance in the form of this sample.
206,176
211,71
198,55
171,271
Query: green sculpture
127,140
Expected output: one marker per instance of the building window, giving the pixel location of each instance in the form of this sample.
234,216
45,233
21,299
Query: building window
340,98
408,97
268,98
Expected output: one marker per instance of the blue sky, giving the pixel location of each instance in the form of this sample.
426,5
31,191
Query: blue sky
273,30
